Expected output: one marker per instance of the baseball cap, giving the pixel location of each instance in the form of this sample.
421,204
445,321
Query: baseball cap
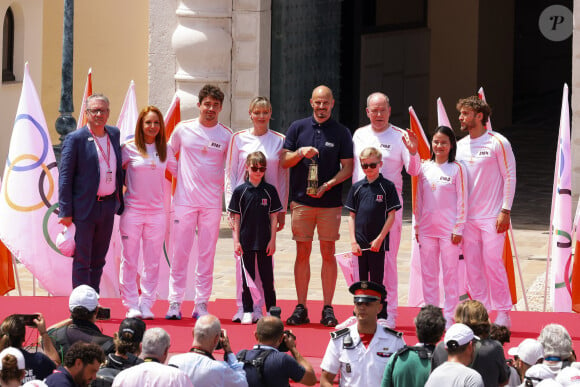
458,335
539,372
85,296
65,241
367,291
16,353
132,330
569,376
529,351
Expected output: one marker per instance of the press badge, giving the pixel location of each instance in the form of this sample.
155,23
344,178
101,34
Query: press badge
109,176
348,369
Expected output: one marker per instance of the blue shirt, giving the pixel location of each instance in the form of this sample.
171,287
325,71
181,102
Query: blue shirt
372,202
279,367
255,204
334,143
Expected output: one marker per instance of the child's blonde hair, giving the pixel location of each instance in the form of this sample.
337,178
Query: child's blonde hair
371,152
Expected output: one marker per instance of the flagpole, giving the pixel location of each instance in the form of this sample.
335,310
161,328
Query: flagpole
519,267
551,226
66,123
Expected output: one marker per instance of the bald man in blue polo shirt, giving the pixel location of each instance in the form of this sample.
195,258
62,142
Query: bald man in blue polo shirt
321,139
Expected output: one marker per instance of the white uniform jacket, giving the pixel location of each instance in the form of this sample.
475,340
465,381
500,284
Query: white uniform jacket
360,366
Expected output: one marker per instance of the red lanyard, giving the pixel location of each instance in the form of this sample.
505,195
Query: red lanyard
107,160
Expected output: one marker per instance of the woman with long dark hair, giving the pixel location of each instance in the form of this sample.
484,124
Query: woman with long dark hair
440,217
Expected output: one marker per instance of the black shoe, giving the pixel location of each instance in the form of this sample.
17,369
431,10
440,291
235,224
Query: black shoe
328,319
299,317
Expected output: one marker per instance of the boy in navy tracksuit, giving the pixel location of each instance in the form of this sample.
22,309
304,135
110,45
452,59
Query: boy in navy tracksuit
254,205
372,203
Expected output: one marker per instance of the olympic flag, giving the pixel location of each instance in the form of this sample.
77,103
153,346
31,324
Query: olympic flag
29,196
562,216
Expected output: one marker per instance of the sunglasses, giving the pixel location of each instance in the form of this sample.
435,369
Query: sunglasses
256,169
371,165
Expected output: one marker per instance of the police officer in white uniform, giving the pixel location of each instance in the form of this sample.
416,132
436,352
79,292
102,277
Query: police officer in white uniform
362,351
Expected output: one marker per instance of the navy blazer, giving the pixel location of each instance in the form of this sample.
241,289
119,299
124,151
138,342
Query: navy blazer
79,173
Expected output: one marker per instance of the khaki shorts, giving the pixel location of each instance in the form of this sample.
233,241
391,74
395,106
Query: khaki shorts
305,218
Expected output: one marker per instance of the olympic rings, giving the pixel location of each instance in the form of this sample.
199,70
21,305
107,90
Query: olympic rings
44,136
35,206
41,186
52,209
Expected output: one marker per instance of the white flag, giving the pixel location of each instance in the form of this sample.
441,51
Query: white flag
129,114
562,217
29,200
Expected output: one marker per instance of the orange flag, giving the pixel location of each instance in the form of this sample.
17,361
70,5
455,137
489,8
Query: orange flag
88,92
508,262
6,270
423,148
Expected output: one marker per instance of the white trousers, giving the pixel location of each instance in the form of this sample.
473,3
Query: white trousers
486,275
135,227
390,278
432,249
190,223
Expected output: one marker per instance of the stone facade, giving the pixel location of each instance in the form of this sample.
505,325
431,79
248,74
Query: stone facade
220,42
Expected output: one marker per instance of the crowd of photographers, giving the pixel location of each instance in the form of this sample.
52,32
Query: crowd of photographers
75,352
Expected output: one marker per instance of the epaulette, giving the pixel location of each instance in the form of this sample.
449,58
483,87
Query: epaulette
336,334
393,332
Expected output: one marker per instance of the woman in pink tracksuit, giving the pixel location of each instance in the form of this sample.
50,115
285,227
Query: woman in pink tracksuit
440,218
145,159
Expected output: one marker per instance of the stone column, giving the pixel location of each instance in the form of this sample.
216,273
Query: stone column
251,26
202,44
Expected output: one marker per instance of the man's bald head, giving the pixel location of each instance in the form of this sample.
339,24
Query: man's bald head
322,91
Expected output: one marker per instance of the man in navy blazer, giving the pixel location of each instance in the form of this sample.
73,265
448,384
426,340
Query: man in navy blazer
90,190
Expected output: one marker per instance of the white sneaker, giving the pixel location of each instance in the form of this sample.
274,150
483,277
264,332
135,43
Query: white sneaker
346,323
503,318
257,313
199,310
174,311
247,318
238,316
147,313
133,313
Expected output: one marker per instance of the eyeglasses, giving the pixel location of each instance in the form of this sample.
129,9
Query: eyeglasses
371,165
97,111
256,169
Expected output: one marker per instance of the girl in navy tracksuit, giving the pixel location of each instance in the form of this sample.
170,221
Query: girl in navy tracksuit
254,205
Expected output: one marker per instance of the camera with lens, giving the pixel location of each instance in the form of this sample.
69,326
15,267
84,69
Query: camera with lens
283,347
222,336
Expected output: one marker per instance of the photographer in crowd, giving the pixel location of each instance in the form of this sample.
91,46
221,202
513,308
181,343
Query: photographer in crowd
267,364
38,365
200,365
84,306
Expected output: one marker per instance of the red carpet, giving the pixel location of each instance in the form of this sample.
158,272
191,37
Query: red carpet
311,338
